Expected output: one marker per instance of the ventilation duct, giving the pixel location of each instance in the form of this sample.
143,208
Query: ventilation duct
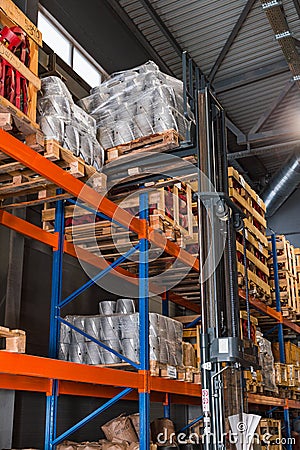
282,185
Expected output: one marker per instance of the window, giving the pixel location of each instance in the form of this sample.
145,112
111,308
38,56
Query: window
62,43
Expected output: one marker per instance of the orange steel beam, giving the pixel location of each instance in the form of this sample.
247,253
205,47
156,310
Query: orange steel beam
272,401
29,230
35,366
174,387
38,163
175,298
261,306
270,312
291,325
32,231
24,383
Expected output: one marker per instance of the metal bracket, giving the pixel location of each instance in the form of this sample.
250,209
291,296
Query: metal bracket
206,366
271,4
283,35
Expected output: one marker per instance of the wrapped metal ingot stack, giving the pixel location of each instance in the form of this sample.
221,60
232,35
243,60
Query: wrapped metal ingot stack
256,240
287,276
64,122
119,330
134,104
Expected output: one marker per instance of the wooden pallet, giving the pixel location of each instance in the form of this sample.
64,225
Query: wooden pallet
257,286
158,142
13,340
17,180
157,369
269,432
287,273
11,15
246,190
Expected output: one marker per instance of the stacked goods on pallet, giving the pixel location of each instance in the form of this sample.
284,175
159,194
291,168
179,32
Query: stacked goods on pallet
68,124
12,340
136,103
19,42
288,276
297,256
117,327
253,379
256,240
269,434
288,374
266,361
170,210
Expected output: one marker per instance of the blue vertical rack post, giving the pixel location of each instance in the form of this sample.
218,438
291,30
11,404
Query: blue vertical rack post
165,312
57,263
51,438
280,336
144,395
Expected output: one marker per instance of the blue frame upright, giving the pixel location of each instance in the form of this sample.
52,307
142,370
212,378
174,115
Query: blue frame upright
51,438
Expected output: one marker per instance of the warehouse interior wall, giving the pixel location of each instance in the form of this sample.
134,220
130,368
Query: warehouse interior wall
100,31
287,219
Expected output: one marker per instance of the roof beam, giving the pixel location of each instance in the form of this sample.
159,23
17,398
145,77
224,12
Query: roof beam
297,7
235,130
268,112
231,38
251,76
287,146
114,4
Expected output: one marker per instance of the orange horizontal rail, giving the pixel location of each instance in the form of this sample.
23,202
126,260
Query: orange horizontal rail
35,366
270,312
174,387
91,390
24,383
39,164
175,298
272,401
29,230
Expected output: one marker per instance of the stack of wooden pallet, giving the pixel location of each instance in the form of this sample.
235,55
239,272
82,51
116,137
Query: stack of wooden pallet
269,434
256,240
253,381
297,256
288,374
12,340
22,119
170,207
288,277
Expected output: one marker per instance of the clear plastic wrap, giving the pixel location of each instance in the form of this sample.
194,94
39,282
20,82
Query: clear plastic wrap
135,103
121,332
266,361
55,86
67,123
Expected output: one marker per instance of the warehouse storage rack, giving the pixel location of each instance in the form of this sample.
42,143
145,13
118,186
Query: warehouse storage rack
55,377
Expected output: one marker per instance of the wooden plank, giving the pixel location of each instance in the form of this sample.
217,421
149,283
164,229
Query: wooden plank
20,19
22,122
19,66
261,266
234,194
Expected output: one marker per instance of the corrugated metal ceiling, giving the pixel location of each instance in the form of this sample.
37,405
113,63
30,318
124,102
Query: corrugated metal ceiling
202,27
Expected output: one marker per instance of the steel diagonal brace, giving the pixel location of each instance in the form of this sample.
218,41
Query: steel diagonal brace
91,416
98,276
91,338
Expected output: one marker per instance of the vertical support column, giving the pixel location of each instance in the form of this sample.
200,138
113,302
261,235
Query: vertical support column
165,312
144,394
287,424
51,405
277,297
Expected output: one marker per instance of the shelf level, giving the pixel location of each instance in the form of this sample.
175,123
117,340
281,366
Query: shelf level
34,373
273,401
268,311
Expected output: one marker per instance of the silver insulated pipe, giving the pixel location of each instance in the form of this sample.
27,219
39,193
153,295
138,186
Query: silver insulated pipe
282,185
